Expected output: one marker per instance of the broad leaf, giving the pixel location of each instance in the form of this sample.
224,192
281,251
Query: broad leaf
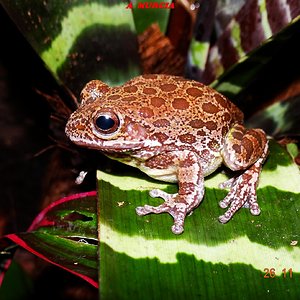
16,285
279,119
255,22
65,234
141,258
143,17
264,73
80,40
243,73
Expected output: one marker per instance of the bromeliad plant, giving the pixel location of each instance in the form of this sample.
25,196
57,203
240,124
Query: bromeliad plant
236,51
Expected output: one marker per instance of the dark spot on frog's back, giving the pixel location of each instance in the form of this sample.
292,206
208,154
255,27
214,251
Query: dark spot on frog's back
149,91
160,137
227,117
146,112
161,123
196,123
187,138
157,101
211,125
114,97
210,108
168,87
130,89
224,102
195,92
180,103
201,132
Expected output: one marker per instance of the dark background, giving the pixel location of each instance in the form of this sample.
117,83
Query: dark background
30,159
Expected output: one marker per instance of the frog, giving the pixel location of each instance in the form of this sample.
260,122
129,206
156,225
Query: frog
175,130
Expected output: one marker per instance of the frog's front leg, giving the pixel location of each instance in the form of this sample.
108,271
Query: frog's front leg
243,150
190,193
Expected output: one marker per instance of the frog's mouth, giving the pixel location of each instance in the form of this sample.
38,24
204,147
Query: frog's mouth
111,146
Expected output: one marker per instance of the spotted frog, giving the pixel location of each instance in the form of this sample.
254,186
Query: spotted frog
174,130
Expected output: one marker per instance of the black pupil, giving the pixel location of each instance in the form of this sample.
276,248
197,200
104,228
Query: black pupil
105,122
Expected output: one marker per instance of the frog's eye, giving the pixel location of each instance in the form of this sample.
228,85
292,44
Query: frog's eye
106,123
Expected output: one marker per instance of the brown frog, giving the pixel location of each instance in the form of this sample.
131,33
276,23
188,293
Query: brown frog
174,130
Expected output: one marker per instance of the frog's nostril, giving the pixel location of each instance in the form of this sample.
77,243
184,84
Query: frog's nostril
80,127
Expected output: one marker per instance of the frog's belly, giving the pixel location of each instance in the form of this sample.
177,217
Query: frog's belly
169,174
212,165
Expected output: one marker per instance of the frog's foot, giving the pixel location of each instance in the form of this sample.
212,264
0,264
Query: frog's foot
174,204
242,194
244,149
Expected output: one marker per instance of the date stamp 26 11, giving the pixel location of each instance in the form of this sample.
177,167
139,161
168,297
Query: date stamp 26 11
271,273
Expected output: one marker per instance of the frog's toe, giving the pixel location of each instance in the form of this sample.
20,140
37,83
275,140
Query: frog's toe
253,205
224,219
254,209
179,215
165,207
177,229
142,210
174,210
227,200
174,205
239,196
227,184
236,204
234,207
223,203
255,212
161,194
235,200
148,209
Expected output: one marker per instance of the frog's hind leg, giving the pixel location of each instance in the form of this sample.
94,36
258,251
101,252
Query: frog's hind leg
189,196
243,150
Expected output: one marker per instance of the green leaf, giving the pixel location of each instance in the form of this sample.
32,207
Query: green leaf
65,234
80,40
280,119
143,17
16,285
141,258
293,150
244,72
239,28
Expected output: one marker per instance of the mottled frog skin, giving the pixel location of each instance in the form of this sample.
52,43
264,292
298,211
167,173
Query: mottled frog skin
174,130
